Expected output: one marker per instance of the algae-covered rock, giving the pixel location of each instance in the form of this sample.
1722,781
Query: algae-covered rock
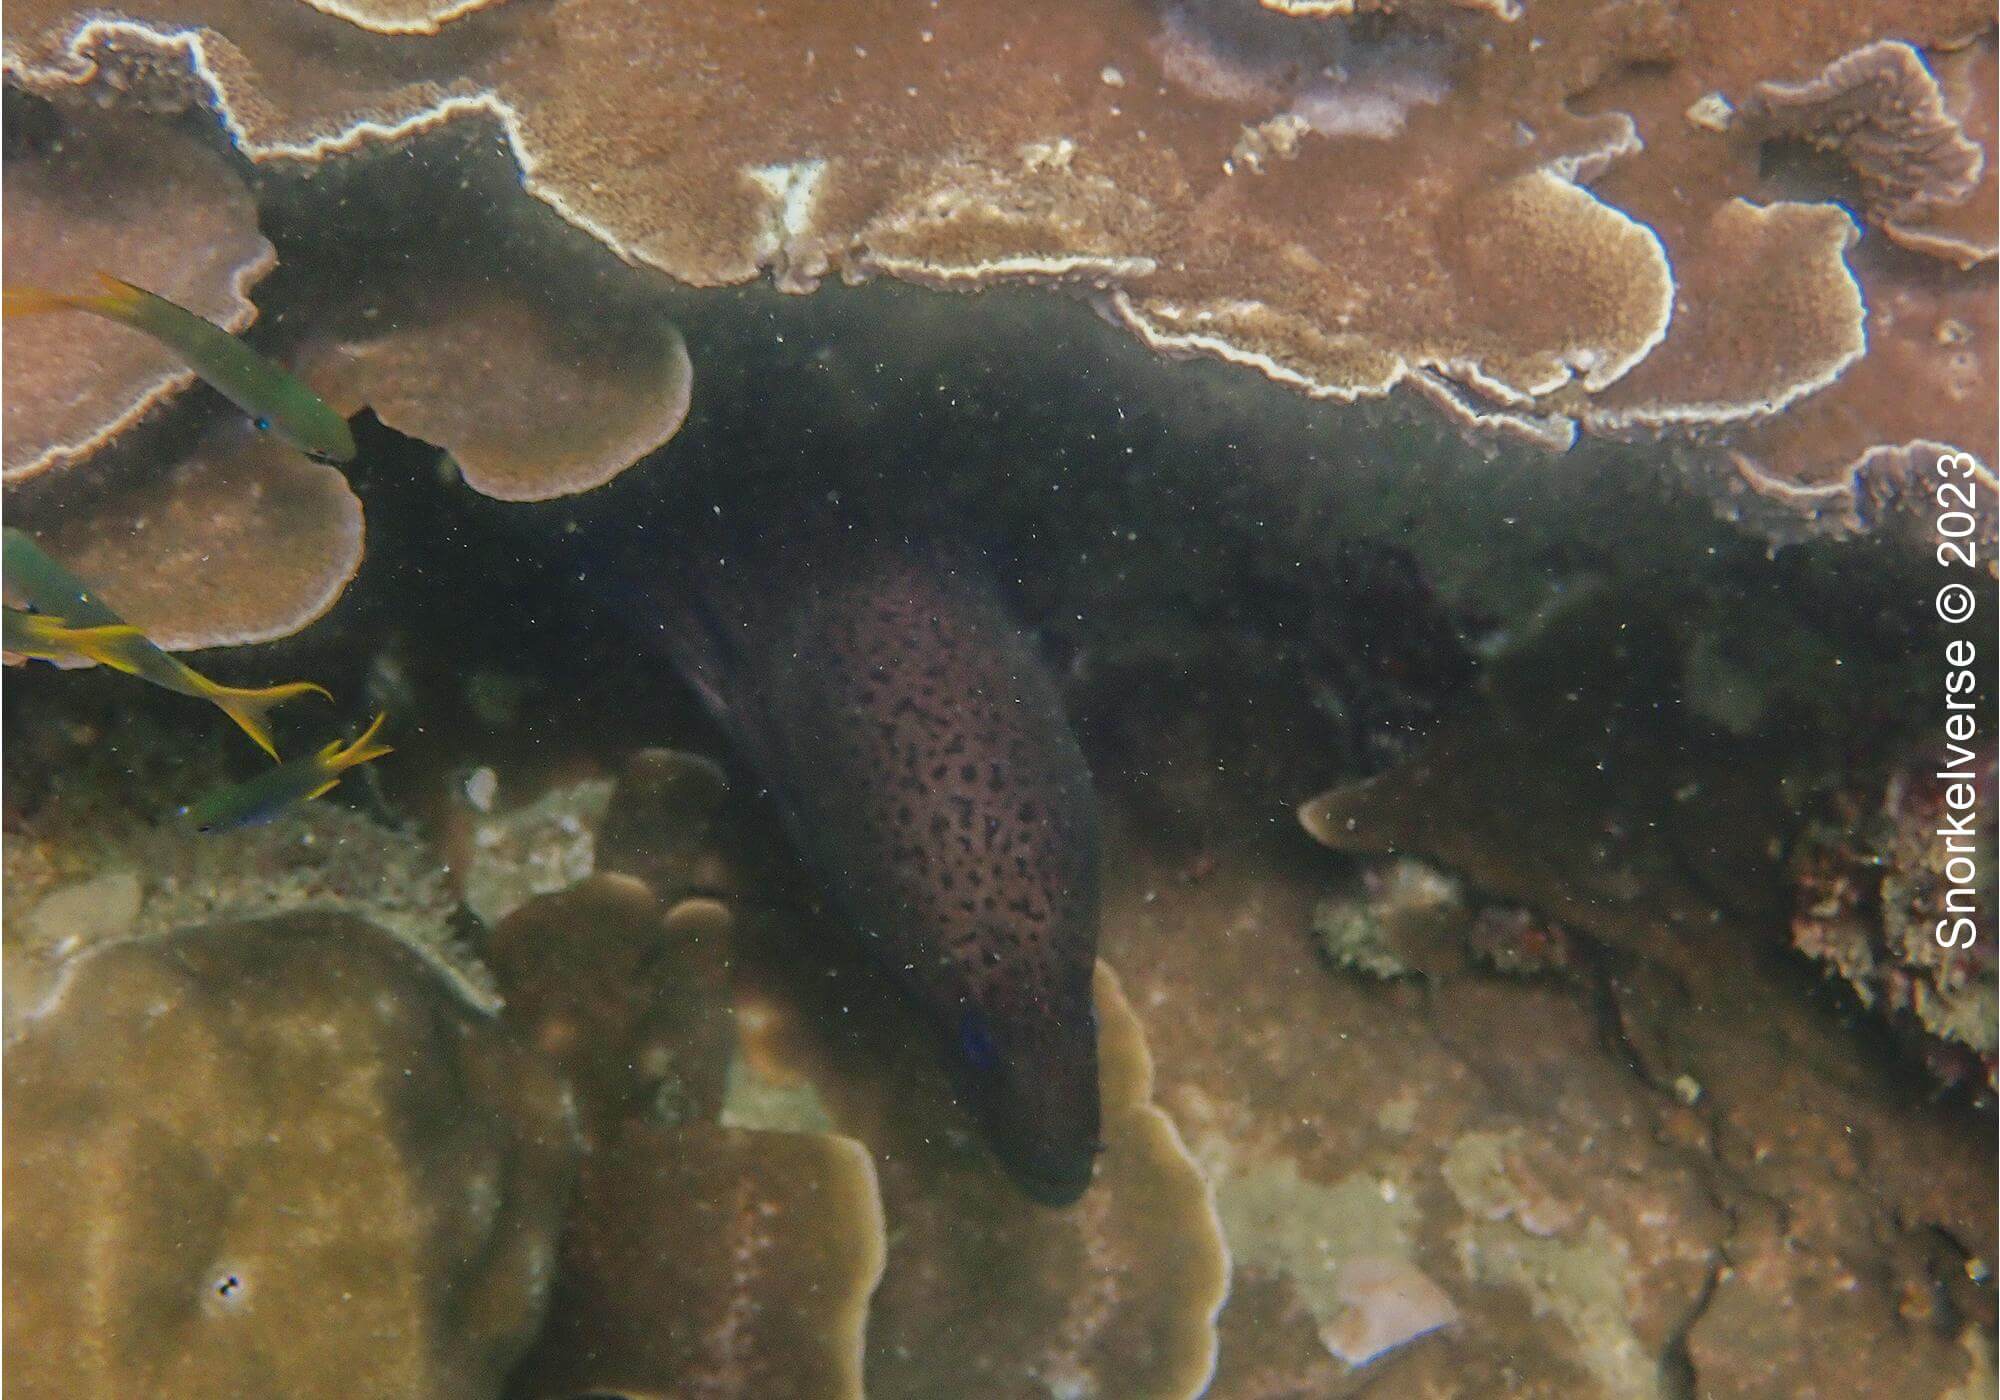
276,1158
539,848
1407,918
1886,882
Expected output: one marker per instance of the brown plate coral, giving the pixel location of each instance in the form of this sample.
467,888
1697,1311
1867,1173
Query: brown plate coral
1542,218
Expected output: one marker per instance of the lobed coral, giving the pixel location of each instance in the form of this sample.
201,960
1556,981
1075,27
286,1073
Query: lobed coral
162,207
706,1260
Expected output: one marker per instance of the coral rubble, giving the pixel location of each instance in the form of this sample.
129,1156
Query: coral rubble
1876,903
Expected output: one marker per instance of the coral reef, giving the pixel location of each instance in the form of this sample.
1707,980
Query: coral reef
1506,209
167,211
1665,1167
714,1261
1562,1073
1876,903
1117,1295
235,1155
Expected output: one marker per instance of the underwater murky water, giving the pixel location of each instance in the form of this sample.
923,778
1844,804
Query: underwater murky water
1107,700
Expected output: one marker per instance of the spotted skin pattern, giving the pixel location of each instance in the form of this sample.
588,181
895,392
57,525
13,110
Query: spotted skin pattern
918,748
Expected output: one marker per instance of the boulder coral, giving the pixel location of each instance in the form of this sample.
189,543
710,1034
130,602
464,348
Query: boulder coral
235,1154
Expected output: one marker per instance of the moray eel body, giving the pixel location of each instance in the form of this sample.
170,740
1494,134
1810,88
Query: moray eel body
917,747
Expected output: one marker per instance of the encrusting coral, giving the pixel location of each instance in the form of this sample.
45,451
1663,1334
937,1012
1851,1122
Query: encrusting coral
235,1153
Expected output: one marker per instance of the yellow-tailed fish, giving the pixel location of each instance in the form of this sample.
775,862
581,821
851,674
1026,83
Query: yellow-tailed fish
72,624
271,792
276,401
40,637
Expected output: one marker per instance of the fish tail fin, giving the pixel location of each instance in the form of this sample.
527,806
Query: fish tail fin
119,300
358,752
248,707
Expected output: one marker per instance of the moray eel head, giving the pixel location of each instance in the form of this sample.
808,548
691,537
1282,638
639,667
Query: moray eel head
1032,1081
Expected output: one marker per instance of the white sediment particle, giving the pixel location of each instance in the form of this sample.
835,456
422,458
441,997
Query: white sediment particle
481,787
1711,112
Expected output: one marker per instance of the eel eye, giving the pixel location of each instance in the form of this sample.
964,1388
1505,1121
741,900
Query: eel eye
263,425
975,1042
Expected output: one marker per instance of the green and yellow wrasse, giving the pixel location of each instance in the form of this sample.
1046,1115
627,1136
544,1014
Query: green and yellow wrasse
269,794
274,399
73,625
39,637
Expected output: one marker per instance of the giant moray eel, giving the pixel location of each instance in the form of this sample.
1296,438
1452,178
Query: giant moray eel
920,755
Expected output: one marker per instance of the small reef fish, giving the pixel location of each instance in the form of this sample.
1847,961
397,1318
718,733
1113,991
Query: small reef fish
270,793
39,637
72,625
919,753
276,401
